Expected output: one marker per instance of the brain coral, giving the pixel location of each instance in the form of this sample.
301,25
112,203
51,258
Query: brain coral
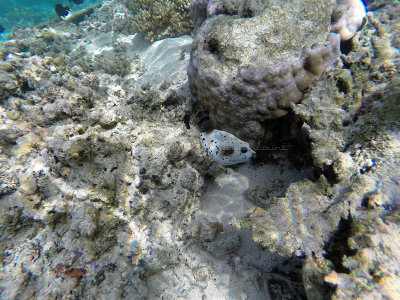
247,70
160,19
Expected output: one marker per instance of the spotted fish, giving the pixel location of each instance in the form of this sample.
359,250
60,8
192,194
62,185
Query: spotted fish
225,148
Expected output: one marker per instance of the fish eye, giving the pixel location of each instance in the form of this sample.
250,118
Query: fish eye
243,150
228,151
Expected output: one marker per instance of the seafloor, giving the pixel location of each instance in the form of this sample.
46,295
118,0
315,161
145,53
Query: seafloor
106,194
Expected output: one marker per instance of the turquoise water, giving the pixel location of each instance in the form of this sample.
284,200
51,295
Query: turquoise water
21,13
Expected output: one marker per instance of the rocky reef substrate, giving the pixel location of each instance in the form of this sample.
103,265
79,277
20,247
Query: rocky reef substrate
105,192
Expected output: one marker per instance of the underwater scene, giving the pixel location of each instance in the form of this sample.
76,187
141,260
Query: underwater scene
204,149
22,13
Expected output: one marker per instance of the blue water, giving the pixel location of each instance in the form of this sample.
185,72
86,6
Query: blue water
21,13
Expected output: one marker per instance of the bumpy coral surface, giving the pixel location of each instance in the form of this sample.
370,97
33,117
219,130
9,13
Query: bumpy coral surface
160,19
249,70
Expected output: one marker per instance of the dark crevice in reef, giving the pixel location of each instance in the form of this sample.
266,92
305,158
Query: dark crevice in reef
328,172
213,46
282,129
288,132
287,136
337,247
284,138
342,86
346,46
24,86
284,281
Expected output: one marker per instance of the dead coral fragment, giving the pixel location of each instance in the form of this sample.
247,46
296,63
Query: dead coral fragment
157,20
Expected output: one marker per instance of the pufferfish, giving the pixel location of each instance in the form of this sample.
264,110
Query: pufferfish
225,148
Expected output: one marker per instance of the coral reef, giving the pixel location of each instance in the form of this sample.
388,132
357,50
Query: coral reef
25,13
101,176
81,156
198,12
106,192
160,19
376,250
246,71
350,116
363,158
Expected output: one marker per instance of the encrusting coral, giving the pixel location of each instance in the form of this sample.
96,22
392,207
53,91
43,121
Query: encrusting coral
157,20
